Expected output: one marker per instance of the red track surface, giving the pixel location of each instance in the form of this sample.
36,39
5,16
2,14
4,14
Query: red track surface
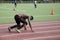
42,31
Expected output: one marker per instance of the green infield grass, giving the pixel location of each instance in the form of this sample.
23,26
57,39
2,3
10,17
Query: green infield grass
41,13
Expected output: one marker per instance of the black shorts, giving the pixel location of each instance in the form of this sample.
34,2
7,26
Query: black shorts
15,3
18,20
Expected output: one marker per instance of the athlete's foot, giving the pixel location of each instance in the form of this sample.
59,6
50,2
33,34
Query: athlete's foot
9,29
18,30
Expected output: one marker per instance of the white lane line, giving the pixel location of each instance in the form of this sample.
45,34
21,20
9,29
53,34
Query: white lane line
6,17
34,16
36,27
31,33
56,36
51,31
52,27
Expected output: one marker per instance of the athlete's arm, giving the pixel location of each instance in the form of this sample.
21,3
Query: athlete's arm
30,24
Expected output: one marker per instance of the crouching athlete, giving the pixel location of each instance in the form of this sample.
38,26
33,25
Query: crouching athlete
21,18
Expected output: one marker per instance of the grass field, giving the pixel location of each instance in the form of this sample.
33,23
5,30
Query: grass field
41,13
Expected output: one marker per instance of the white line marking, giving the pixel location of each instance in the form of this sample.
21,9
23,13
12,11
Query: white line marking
30,33
48,31
6,17
52,27
34,16
36,27
56,36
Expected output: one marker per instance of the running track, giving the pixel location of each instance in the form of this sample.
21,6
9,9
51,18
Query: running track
42,31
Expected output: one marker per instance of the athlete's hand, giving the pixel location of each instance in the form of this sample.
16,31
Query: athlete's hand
32,30
25,28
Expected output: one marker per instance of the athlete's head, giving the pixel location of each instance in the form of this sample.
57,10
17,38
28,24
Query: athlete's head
31,18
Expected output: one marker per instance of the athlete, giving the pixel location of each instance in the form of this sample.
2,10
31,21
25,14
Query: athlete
21,18
35,4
